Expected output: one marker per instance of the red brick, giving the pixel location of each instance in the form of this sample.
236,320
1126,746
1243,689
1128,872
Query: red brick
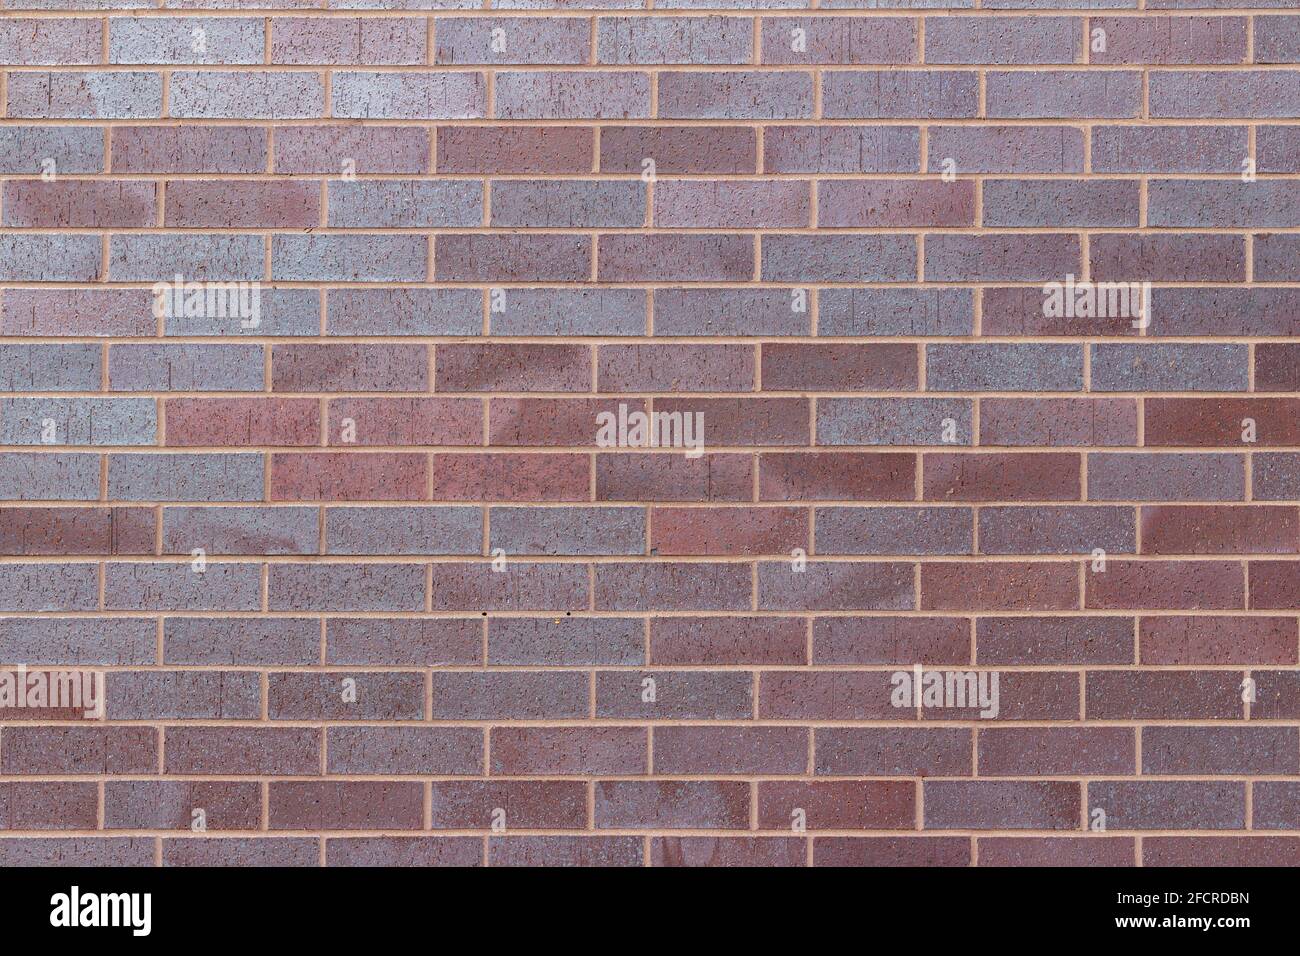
348,476
242,422
728,530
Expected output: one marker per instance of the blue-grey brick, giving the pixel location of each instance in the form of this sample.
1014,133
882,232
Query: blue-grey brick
568,530
1054,94
441,203
569,312
891,421
1001,257
280,312
913,94
1056,4
242,641
509,695
181,477
894,530
175,586
696,40
785,94
1170,367
1003,40
732,311
1277,39
50,368
49,587
199,94
349,258
1054,203
679,695
839,258
74,149
405,311
1129,476
575,95
566,641
409,95
530,40
79,421
30,257
1004,367
159,40
72,641
842,149
404,530
1265,203
1276,475
858,312
1277,149
77,851
568,203
1170,149
49,476
1057,529
1250,94
185,368
1006,149
183,695
252,530
137,258
346,587
85,95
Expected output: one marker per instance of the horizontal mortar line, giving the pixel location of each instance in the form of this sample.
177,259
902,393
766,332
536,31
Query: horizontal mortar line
1128,613
721,177
657,831
600,232
775,559
343,669
507,123
656,66
609,12
168,724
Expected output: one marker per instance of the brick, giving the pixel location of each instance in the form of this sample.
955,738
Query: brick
570,311
1016,476
405,750
1007,149
1166,40
1056,851
785,94
1274,584
838,804
522,149
1057,530
746,421
512,258
728,851
839,149
1168,149
891,851
49,476
705,531
403,530
994,586
167,586
1053,204
54,258
80,750
343,476
355,41
197,640
694,40
392,204
1057,751
897,203
176,149
185,368
85,95
78,421
1163,695
429,95
78,204
169,805
567,204
156,40
397,641
915,94
1275,149
1219,529
679,695
1275,476
745,205
404,851
350,258
566,641
1001,258
836,586
54,531
527,805
575,531
185,477
1220,851
1063,94
1169,805
890,640
568,751
73,149
1275,258
1058,421
199,94
240,851
1180,204
241,205
506,477
183,695
829,476
1015,368
675,149
1003,40
955,804
837,696
729,640
512,368
521,587
349,368
672,804
675,368
25,42
1189,640
875,751
199,258
398,696
895,312
346,587
1169,367
1219,750
1277,40
40,640
673,477
840,40
672,586
406,421
730,750
370,149
613,851
77,851
1165,477
883,530
846,258
1166,585
352,805
573,95
64,368
1213,95
243,421
680,258
1219,421
243,751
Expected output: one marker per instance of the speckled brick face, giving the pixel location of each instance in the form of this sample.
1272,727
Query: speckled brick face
616,433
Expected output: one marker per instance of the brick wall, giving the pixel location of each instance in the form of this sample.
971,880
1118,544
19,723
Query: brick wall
326,329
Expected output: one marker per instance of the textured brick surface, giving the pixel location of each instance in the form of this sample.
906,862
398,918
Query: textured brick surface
552,432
